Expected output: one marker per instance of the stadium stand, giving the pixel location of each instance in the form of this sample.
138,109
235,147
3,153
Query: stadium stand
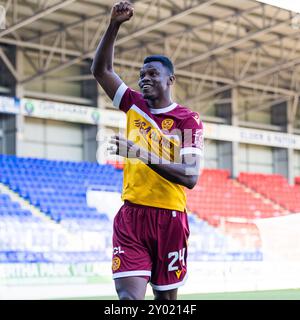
224,208
274,187
11,209
58,188
15,222
227,242
217,196
26,238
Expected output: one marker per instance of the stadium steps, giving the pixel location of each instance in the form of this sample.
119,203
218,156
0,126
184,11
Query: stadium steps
277,207
35,211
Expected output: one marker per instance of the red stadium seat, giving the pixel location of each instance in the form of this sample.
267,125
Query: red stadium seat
216,196
274,187
117,164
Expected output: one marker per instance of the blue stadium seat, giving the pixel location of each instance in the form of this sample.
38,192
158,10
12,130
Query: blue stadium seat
59,189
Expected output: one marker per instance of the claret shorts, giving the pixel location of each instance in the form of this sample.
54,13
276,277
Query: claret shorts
152,243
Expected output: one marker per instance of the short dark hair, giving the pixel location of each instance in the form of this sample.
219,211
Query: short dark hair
165,61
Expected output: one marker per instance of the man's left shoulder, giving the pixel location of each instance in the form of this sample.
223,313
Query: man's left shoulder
186,116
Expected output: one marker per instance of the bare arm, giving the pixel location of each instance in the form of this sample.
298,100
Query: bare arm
102,67
185,173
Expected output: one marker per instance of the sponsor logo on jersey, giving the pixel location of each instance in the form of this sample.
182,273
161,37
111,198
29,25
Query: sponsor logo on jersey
154,135
142,126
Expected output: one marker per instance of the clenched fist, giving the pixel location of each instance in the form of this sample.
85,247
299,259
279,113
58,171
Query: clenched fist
121,12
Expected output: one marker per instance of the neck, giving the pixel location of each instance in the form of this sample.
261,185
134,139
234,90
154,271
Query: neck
159,103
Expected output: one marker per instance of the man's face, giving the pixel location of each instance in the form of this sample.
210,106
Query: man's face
154,80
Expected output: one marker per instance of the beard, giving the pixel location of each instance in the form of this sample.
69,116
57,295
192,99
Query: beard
149,95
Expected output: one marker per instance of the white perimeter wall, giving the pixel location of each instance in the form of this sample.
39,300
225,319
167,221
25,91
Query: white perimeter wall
210,154
51,140
254,158
297,163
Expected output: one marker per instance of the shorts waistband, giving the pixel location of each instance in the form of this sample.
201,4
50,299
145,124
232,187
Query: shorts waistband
135,205
131,204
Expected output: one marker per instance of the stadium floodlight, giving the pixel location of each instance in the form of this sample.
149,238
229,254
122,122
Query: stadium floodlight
291,5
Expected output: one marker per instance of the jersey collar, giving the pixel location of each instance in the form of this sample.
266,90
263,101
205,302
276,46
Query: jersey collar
164,110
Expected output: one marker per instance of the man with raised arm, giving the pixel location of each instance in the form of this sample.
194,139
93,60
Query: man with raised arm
162,148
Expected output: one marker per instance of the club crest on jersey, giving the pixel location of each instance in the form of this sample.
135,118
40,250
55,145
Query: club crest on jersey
116,262
167,124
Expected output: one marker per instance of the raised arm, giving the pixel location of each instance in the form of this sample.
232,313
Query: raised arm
102,67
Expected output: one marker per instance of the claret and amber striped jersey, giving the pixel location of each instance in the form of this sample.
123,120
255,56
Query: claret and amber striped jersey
168,132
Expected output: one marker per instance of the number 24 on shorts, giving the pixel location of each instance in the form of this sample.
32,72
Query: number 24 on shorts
176,255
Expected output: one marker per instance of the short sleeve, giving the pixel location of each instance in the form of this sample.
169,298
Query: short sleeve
125,97
192,135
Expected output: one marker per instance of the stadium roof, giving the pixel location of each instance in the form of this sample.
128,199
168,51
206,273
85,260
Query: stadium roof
216,45
284,4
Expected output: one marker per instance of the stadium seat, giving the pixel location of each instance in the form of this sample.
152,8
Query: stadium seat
217,196
57,187
274,187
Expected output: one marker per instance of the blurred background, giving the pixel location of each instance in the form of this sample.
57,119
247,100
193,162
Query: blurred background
237,64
